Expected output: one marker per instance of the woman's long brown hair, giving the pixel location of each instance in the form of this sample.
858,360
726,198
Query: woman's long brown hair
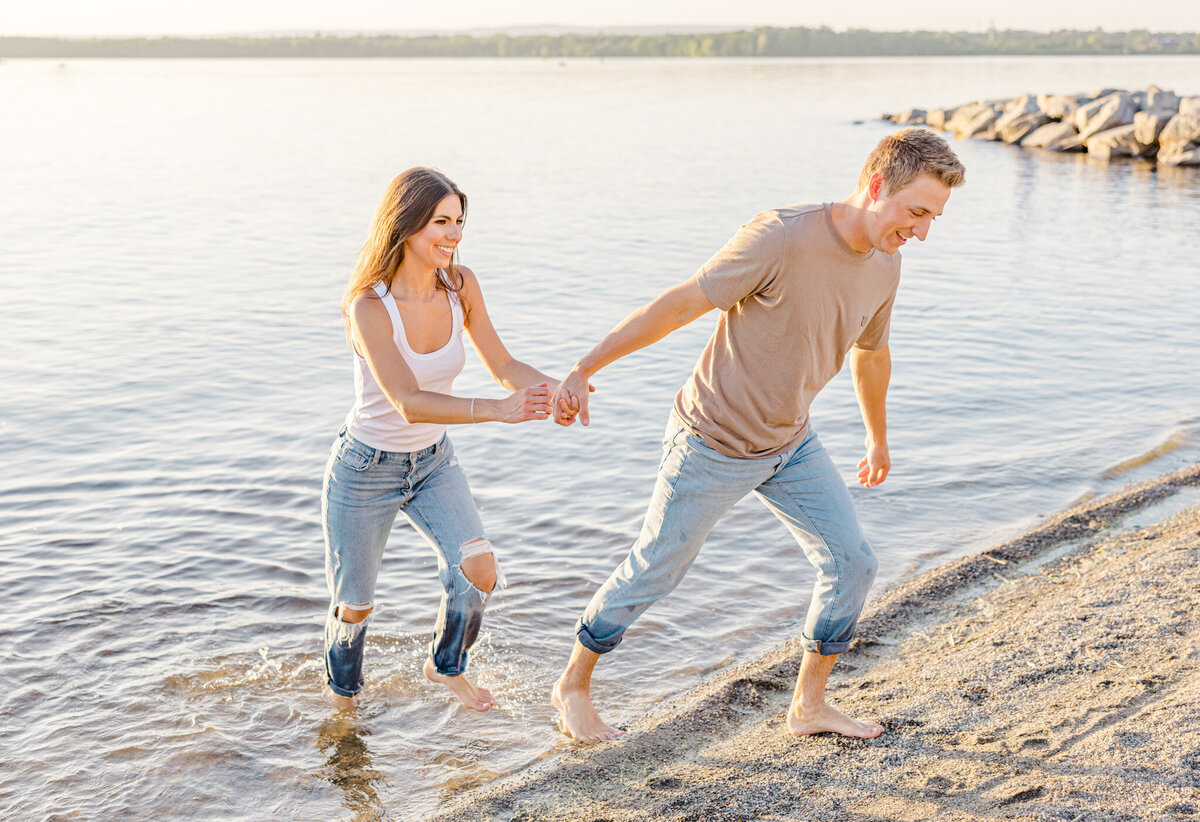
406,208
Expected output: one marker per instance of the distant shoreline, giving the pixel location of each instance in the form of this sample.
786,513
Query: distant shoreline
757,42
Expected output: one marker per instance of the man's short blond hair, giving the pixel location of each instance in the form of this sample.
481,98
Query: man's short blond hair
900,157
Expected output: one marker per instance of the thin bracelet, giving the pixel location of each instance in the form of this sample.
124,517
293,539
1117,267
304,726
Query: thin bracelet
472,410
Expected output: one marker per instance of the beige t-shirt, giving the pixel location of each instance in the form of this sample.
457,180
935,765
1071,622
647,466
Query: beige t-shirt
794,299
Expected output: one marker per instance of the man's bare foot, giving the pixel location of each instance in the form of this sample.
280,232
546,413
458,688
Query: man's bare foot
827,719
579,718
475,697
342,703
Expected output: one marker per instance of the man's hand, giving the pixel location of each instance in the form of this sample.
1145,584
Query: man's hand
873,468
570,399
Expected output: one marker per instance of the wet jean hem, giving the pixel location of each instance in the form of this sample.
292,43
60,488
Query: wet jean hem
340,691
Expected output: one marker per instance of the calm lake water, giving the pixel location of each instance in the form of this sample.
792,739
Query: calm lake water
174,237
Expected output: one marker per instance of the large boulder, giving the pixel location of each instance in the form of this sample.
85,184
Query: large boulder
1016,130
1149,124
982,126
1159,100
965,114
1104,114
1179,142
1055,137
936,118
1190,157
1086,111
1189,105
1116,142
910,117
1057,106
1015,108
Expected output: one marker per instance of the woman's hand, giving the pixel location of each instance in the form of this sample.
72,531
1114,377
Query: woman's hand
532,403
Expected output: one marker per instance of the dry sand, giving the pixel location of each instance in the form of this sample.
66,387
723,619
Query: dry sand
1054,677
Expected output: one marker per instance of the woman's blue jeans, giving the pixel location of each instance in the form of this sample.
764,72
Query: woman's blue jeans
696,486
364,489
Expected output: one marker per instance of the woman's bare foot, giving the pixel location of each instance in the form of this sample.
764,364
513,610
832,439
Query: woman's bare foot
475,697
579,717
827,719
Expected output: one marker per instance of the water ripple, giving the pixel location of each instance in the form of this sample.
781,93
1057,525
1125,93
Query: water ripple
177,370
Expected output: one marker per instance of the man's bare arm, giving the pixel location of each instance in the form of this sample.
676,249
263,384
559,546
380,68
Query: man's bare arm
872,371
672,309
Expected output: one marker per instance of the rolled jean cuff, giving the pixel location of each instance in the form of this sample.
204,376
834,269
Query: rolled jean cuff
824,647
342,691
588,641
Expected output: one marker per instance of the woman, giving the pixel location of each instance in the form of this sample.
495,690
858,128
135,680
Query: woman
407,305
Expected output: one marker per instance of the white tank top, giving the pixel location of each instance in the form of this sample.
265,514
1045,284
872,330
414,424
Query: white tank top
373,419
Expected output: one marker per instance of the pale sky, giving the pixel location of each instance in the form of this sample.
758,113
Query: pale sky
197,17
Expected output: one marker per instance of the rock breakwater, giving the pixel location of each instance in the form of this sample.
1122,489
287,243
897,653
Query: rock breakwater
1107,123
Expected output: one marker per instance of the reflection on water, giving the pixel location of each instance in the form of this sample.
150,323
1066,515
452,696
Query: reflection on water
175,239
349,767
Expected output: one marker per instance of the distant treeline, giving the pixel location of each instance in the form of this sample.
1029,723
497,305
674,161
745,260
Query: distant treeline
761,42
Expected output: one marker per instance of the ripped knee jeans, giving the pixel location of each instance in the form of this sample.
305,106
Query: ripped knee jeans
365,488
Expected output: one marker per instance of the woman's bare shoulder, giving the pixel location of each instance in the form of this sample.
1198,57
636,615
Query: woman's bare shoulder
366,308
469,278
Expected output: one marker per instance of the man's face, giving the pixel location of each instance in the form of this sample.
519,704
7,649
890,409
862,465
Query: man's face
906,213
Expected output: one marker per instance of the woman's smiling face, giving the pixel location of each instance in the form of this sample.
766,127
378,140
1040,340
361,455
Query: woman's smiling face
434,245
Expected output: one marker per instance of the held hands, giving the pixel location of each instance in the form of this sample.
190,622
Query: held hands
532,403
571,399
873,468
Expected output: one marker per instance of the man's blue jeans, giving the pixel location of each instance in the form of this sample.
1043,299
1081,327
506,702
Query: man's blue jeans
696,486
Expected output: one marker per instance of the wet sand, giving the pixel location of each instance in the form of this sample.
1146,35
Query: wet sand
1053,677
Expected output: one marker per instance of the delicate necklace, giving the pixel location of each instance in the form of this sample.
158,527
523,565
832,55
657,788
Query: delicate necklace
420,296
425,297
440,282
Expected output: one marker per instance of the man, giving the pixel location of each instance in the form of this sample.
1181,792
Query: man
798,288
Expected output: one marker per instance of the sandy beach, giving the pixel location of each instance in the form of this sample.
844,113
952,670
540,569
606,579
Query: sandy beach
1053,677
